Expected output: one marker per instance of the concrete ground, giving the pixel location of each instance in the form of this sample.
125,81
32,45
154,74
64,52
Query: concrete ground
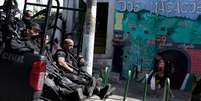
136,92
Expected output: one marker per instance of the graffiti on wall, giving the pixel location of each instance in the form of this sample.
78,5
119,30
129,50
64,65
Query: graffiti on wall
170,8
145,29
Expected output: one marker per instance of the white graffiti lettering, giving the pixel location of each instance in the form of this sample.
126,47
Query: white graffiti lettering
186,46
165,45
161,6
130,5
12,57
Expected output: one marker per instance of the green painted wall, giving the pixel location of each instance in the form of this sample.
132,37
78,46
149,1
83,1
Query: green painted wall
140,30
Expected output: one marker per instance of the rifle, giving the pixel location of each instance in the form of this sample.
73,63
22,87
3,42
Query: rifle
58,76
53,71
80,71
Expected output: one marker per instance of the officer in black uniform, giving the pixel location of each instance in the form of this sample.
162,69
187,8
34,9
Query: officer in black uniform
31,37
65,61
27,17
28,41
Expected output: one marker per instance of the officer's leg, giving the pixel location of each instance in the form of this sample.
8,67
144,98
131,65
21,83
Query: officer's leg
50,90
76,78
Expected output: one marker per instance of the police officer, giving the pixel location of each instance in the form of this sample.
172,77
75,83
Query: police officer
64,60
28,41
27,17
31,37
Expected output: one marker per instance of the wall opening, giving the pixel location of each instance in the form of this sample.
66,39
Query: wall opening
178,62
101,28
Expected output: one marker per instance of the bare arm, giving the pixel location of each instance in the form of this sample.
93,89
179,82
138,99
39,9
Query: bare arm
63,63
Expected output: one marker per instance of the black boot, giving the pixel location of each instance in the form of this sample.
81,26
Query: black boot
104,91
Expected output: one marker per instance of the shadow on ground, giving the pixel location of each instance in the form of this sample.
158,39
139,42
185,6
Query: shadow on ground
136,92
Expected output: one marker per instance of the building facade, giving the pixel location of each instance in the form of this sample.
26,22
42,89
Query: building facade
171,28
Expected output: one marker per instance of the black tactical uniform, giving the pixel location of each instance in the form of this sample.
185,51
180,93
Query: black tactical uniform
78,77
